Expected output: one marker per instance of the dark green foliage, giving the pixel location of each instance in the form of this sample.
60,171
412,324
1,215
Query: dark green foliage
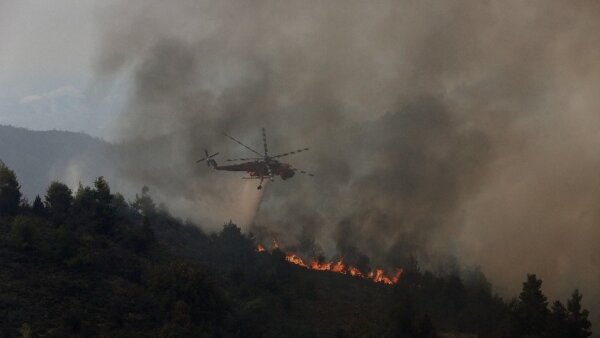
23,232
409,317
579,324
58,201
38,208
232,248
121,207
25,331
92,265
558,326
10,191
97,207
104,209
569,322
102,192
404,314
143,203
532,309
142,240
84,204
188,295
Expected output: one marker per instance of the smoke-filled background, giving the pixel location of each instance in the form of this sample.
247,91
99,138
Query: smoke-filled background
441,130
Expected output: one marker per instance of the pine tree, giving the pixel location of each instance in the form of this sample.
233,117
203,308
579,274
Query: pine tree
83,205
58,201
144,203
532,308
10,191
37,207
557,326
579,324
102,191
104,209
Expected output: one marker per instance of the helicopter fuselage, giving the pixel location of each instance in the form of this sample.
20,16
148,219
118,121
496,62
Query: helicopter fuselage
258,169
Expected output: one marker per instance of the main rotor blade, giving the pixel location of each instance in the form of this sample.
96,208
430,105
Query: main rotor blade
303,172
264,135
243,145
290,153
243,159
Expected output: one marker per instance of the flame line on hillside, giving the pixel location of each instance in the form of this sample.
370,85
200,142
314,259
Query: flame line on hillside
377,275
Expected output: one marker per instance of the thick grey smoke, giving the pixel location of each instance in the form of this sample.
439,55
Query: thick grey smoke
437,129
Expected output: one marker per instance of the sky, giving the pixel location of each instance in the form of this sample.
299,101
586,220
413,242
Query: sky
46,68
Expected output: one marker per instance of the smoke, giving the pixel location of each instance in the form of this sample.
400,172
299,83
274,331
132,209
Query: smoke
437,129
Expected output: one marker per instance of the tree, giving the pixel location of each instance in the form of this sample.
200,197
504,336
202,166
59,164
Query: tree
37,207
10,191
557,322
183,281
104,210
58,201
83,205
532,307
102,191
23,232
144,203
232,248
579,324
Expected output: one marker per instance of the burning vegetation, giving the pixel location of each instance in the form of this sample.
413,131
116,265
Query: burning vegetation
138,271
377,275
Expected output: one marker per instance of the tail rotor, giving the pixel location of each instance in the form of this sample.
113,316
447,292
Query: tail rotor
208,158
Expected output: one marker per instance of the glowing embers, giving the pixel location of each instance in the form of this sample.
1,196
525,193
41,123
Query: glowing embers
377,275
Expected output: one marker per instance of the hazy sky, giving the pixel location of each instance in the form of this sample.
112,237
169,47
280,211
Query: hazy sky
46,67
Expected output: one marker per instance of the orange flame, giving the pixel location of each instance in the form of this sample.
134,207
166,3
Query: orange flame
315,265
292,258
378,275
339,267
355,272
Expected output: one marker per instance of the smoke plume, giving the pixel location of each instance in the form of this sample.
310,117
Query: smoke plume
437,129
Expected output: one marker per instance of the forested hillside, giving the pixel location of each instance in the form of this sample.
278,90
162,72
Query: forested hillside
88,263
42,156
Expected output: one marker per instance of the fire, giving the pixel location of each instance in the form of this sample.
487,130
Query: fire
378,275
339,267
292,258
315,265
355,272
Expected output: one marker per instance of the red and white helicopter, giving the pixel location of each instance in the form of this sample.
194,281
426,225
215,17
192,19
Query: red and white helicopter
264,166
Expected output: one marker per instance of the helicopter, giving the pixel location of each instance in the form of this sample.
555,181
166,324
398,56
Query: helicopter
263,167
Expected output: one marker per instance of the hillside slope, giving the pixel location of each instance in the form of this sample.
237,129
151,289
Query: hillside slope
89,264
40,157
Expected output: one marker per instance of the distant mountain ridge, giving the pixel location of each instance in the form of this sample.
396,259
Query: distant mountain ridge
39,157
